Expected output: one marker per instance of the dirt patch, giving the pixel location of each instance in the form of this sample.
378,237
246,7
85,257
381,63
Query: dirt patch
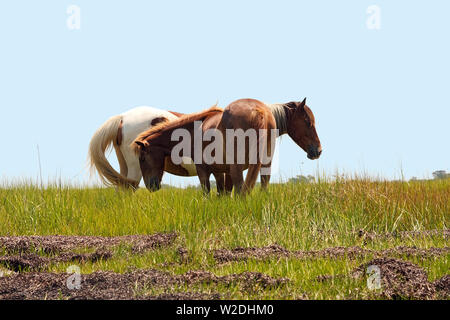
276,251
442,286
5,272
184,255
100,254
404,234
413,252
109,285
400,279
239,253
24,248
248,279
34,262
57,244
25,262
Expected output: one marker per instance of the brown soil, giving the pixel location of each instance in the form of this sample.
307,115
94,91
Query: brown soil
276,251
109,285
184,255
34,262
402,279
24,248
20,263
404,234
442,286
56,244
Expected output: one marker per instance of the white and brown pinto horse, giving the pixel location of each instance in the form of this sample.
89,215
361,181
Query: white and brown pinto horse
119,132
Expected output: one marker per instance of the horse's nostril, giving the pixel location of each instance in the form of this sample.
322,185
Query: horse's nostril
315,152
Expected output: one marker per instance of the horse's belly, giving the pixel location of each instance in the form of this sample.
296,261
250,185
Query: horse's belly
189,166
185,169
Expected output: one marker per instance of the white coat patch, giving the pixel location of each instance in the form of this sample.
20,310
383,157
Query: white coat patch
189,165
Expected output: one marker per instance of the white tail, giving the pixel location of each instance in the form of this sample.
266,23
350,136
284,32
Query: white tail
104,138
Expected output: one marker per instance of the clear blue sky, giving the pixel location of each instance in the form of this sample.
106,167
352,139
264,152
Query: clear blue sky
381,97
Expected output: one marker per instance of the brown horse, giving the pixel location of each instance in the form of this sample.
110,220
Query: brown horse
293,118
155,145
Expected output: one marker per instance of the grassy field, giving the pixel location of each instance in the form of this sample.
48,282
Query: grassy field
296,217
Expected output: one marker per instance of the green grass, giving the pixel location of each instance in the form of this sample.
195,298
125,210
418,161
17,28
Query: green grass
295,216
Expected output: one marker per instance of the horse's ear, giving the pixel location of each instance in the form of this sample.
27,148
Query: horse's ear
141,144
301,105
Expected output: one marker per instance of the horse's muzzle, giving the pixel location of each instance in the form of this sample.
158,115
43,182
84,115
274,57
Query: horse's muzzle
314,152
152,184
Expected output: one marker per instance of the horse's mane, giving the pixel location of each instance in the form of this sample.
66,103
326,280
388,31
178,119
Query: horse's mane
279,114
158,129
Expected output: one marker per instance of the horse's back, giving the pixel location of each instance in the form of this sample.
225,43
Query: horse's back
247,113
139,119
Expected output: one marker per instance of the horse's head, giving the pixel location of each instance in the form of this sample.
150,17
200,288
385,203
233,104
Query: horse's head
151,161
301,128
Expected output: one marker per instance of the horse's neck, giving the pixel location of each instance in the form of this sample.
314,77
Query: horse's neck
280,116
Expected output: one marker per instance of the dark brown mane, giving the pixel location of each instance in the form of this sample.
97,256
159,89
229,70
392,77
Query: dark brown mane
168,125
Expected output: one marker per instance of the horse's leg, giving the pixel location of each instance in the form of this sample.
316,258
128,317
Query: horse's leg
124,169
206,186
228,184
224,183
203,175
268,151
250,179
237,177
220,182
134,169
121,160
265,175
135,174
265,181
